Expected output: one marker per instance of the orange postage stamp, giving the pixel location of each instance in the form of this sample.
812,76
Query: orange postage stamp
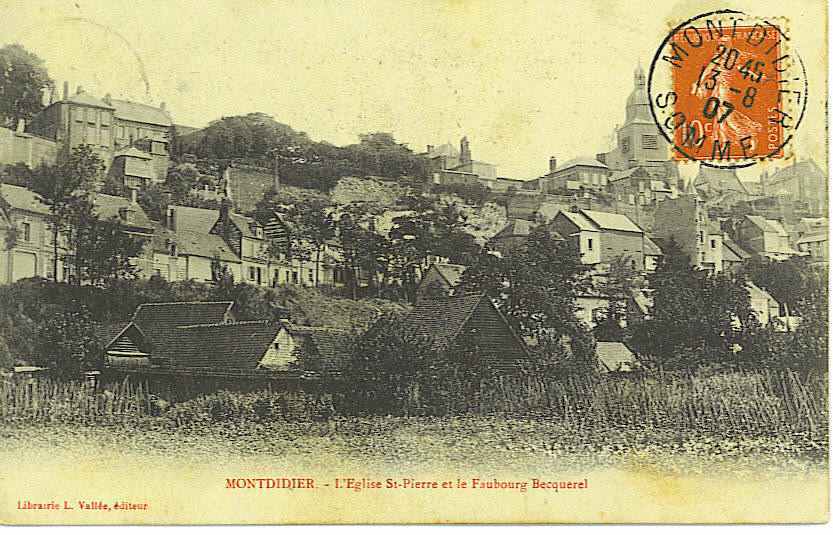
737,91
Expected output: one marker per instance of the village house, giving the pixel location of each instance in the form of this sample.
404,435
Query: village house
450,166
108,125
469,323
26,249
814,246
439,281
602,237
512,237
685,220
577,175
187,348
802,181
765,237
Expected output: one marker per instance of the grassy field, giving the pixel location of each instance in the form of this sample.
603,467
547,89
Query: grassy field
750,423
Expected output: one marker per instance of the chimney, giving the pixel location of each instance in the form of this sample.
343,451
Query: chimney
108,99
170,219
162,106
227,182
553,164
465,151
79,90
429,148
225,217
66,90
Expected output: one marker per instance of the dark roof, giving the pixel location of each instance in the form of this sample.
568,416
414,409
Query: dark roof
651,248
244,224
141,113
239,345
441,319
107,332
189,243
514,229
327,350
159,321
735,248
108,206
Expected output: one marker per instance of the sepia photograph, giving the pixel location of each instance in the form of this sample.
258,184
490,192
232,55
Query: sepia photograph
413,262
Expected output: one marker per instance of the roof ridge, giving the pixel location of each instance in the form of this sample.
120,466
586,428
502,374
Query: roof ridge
229,324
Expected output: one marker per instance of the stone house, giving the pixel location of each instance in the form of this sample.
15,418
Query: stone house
603,236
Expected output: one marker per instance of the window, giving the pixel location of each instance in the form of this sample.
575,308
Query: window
79,114
104,136
649,141
295,277
252,273
105,118
277,346
91,115
700,236
27,232
626,144
173,249
589,244
311,275
121,132
713,244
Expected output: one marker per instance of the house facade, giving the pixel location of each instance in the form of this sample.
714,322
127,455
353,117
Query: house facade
685,220
574,176
765,237
603,236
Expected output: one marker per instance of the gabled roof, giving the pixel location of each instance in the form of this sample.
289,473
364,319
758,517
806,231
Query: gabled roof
809,238
140,113
615,356
729,255
611,221
108,206
86,99
729,243
327,350
585,161
107,332
189,243
192,219
21,198
450,272
516,228
651,248
579,220
244,224
239,346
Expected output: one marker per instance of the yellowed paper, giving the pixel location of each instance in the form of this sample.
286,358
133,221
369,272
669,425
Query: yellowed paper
521,82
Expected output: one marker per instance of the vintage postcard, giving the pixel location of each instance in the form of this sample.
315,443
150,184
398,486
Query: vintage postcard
398,261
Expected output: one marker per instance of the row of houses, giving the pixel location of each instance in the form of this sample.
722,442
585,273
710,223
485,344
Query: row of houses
185,349
188,244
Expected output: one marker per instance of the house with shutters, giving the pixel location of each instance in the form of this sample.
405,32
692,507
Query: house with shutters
469,323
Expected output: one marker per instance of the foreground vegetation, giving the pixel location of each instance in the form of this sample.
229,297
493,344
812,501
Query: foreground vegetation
743,418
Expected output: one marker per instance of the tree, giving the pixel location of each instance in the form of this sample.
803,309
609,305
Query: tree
536,288
64,186
67,343
23,78
317,226
102,249
616,286
696,317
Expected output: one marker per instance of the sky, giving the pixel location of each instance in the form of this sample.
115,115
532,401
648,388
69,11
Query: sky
524,80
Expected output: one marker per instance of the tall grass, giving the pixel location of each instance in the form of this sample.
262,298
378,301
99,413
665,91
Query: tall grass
754,403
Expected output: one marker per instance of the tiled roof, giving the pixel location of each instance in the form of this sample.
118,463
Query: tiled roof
141,113
88,100
729,255
812,238
238,346
108,331
195,219
108,206
615,356
327,350
244,224
611,221
192,243
735,248
579,220
23,199
515,228
442,318
582,161
159,321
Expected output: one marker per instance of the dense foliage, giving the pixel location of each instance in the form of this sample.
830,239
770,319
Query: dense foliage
23,79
